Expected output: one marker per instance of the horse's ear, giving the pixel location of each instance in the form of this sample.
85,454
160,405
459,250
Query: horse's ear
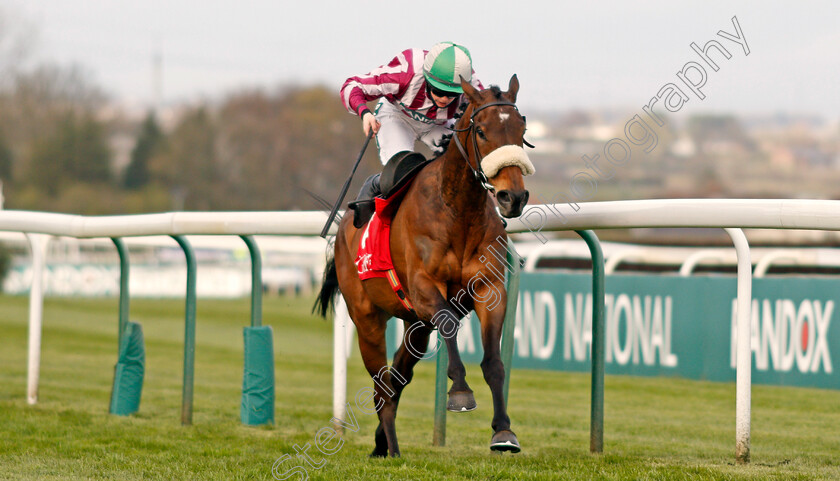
513,88
470,91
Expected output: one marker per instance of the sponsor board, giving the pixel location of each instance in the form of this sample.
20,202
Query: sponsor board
672,326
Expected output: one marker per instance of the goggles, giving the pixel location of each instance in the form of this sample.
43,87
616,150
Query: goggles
442,93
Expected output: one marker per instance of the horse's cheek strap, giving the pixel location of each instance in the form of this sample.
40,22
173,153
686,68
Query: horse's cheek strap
506,156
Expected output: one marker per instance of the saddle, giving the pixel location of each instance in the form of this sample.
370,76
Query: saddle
397,173
374,255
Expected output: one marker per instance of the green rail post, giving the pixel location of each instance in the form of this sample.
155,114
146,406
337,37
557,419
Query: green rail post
439,436
256,280
130,369
596,427
189,333
512,290
257,406
124,295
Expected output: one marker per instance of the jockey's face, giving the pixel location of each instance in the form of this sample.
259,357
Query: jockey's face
442,102
442,98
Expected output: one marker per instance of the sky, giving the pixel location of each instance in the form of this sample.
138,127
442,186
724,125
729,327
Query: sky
583,54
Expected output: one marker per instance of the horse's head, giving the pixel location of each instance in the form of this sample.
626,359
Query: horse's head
495,150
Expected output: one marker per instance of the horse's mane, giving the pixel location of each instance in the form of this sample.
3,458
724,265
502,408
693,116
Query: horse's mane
444,141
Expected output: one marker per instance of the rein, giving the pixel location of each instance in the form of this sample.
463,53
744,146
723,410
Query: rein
478,173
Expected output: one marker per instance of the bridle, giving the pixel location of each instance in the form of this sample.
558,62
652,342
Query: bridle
478,172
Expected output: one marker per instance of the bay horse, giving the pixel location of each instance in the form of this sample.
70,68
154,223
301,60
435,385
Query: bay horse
441,242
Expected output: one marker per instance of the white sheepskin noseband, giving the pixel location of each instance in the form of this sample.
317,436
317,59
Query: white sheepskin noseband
505,156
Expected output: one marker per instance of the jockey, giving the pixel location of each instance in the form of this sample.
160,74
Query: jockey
419,93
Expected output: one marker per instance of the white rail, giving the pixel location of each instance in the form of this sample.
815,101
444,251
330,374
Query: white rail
741,213
759,214
691,262
171,223
762,214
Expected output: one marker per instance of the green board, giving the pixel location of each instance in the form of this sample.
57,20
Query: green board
673,326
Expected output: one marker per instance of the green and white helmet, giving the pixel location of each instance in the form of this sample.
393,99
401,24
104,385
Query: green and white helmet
445,64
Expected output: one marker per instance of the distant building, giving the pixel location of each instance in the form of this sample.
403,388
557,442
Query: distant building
683,147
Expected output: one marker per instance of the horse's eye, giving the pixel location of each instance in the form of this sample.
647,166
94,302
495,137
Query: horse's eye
480,134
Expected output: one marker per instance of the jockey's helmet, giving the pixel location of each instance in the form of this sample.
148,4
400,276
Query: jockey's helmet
444,66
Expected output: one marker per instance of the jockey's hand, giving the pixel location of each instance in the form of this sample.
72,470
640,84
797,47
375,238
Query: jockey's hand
369,123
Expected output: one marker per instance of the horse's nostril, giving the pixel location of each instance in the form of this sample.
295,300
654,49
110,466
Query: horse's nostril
503,197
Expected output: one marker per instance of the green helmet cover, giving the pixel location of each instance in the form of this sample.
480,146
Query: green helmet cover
445,64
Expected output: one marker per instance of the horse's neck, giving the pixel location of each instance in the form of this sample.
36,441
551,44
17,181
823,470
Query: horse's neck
460,191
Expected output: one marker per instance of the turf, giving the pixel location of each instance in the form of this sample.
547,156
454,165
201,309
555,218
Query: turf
655,428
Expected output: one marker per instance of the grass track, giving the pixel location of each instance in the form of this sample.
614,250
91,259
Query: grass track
655,428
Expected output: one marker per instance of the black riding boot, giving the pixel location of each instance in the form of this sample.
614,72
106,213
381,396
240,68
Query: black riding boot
364,205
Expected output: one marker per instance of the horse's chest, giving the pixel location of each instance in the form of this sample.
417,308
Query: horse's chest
442,263
450,268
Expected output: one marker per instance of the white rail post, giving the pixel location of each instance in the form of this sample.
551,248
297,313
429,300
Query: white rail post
340,319
38,244
691,261
743,369
763,264
614,260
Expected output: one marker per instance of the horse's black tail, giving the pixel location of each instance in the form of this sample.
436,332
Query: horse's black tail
326,298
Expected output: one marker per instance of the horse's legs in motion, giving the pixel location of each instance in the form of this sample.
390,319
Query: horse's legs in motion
370,327
417,338
494,373
433,306
370,324
461,397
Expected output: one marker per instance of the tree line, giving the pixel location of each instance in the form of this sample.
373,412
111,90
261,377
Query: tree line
253,149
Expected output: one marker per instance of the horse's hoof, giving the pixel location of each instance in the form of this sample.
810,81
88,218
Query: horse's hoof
461,402
505,441
377,453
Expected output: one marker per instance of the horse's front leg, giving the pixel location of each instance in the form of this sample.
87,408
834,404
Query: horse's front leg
492,317
461,398
433,307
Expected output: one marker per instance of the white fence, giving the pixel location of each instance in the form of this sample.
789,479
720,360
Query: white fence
729,214
89,267
684,260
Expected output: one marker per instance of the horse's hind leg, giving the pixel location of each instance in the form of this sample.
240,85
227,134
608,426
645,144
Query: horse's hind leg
414,343
370,324
411,350
371,331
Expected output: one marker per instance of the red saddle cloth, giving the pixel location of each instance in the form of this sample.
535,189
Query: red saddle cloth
374,256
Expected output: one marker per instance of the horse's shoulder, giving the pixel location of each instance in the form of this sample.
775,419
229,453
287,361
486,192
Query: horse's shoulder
431,170
426,183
